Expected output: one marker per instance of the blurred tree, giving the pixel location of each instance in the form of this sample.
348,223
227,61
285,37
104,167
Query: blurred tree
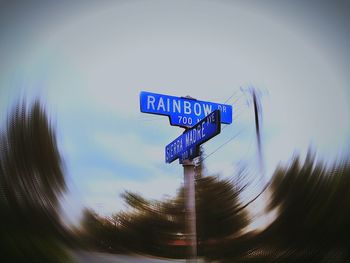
219,213
158,227
313,220
313,201
31,182
98,231
151,224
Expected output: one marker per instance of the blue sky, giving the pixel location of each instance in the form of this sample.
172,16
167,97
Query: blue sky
89,60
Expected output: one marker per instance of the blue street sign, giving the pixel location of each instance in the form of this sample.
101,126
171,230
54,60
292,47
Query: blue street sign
189,154
185,146
183,112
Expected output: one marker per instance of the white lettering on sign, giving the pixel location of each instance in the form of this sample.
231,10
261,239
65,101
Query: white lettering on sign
211,118
150,101
187,107
194,135
176,106
207,109
197,109
186,145
179,106
161,104
182,111
174,148
222,108
168,104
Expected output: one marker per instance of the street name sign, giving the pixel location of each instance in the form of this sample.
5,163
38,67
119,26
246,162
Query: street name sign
189,154
186,145
183,112
202,121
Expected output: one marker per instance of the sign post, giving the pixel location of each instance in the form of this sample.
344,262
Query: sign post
190,209
202,121
186,146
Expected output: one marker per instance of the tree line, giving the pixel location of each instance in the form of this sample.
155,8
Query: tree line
311,197
312,200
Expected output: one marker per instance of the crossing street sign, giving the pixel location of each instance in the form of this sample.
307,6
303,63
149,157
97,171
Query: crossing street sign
202,121
183,112
189,153
186,145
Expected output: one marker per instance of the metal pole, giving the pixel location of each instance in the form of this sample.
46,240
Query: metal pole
190,201
263,214
257,111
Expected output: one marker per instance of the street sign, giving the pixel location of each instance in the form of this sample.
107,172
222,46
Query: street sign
186,145
189,154
183,112
202,121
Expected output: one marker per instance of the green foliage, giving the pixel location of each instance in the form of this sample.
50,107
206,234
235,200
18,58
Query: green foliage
312,223
158,227
314,204
313,220
31,182
218,209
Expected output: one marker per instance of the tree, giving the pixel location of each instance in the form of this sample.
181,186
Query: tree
31,182
158,227
218,209
312,223
313,200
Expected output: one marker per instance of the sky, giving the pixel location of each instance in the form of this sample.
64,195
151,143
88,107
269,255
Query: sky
89,60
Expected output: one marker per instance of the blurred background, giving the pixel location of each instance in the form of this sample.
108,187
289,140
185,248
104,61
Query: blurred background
82,170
